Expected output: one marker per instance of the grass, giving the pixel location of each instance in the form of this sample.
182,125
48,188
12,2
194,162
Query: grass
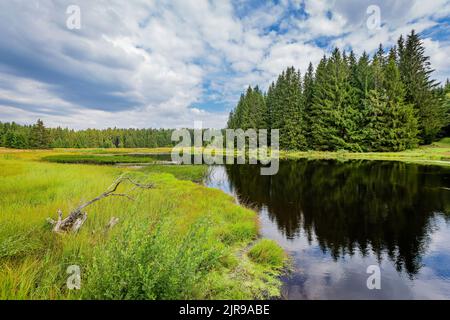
437,153
98,159
179,240
267,252
194,173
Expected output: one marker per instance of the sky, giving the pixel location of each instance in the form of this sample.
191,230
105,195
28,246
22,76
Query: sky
174,63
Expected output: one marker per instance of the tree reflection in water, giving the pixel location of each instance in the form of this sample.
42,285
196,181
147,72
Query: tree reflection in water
354,206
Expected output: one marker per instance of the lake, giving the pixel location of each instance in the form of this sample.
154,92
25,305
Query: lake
335,219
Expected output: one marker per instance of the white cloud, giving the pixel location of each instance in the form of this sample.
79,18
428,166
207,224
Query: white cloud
439,56
159,63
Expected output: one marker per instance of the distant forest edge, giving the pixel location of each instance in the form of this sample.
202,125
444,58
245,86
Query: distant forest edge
384,103
37,136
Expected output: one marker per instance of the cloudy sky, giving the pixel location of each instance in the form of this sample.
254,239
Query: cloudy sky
150,63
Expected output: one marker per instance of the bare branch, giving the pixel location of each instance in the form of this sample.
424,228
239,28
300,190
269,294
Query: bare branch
122,195
75,220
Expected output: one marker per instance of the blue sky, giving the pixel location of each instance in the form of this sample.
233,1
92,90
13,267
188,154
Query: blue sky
169,63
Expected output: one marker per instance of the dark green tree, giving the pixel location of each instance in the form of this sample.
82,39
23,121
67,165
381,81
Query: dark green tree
39,136
415,70
308,95
334,115
392,122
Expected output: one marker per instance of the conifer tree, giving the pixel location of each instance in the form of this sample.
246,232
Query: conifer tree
257,109
285,104
378,64
308,94
334,115
269,99
294,130
231,119
276,103
392,125
247,105
322,128
40,138
415,71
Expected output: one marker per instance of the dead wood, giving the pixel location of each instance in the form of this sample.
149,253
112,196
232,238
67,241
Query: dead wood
75,220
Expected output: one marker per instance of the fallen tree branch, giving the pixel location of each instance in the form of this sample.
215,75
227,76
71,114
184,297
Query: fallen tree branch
75,220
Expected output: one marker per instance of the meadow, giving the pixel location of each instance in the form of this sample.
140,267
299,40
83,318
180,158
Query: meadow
178,240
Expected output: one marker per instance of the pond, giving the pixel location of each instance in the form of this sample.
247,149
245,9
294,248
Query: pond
335,219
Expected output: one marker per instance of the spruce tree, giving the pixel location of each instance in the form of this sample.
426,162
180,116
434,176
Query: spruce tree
269,99
308,94
322,126
362,82
392,125
294,130
257,109
231,120
239,113
446,107
276,102
39,138
415,72
378,64
334,115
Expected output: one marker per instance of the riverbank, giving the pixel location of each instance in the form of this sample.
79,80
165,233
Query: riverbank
179,240
437,153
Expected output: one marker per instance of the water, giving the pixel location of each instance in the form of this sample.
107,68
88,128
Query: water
337,218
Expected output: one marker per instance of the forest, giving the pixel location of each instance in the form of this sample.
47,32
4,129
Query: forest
385,103
37,136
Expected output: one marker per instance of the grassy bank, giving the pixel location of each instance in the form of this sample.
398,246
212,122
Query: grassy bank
98,159
179,240
437,153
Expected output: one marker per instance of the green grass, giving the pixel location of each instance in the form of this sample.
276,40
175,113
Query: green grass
267,252
98,159
437,153
179,240
194,173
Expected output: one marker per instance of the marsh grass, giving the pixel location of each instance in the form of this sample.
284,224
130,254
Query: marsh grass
178,240
267,252
99,159
196,173
438,153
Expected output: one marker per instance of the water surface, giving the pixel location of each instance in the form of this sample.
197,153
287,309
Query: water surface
337,218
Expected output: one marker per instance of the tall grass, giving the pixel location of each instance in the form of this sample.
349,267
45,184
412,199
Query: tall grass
194,173
178,240
98,159
437,153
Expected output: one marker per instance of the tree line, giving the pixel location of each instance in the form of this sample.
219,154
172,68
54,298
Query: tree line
387,102
37,136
